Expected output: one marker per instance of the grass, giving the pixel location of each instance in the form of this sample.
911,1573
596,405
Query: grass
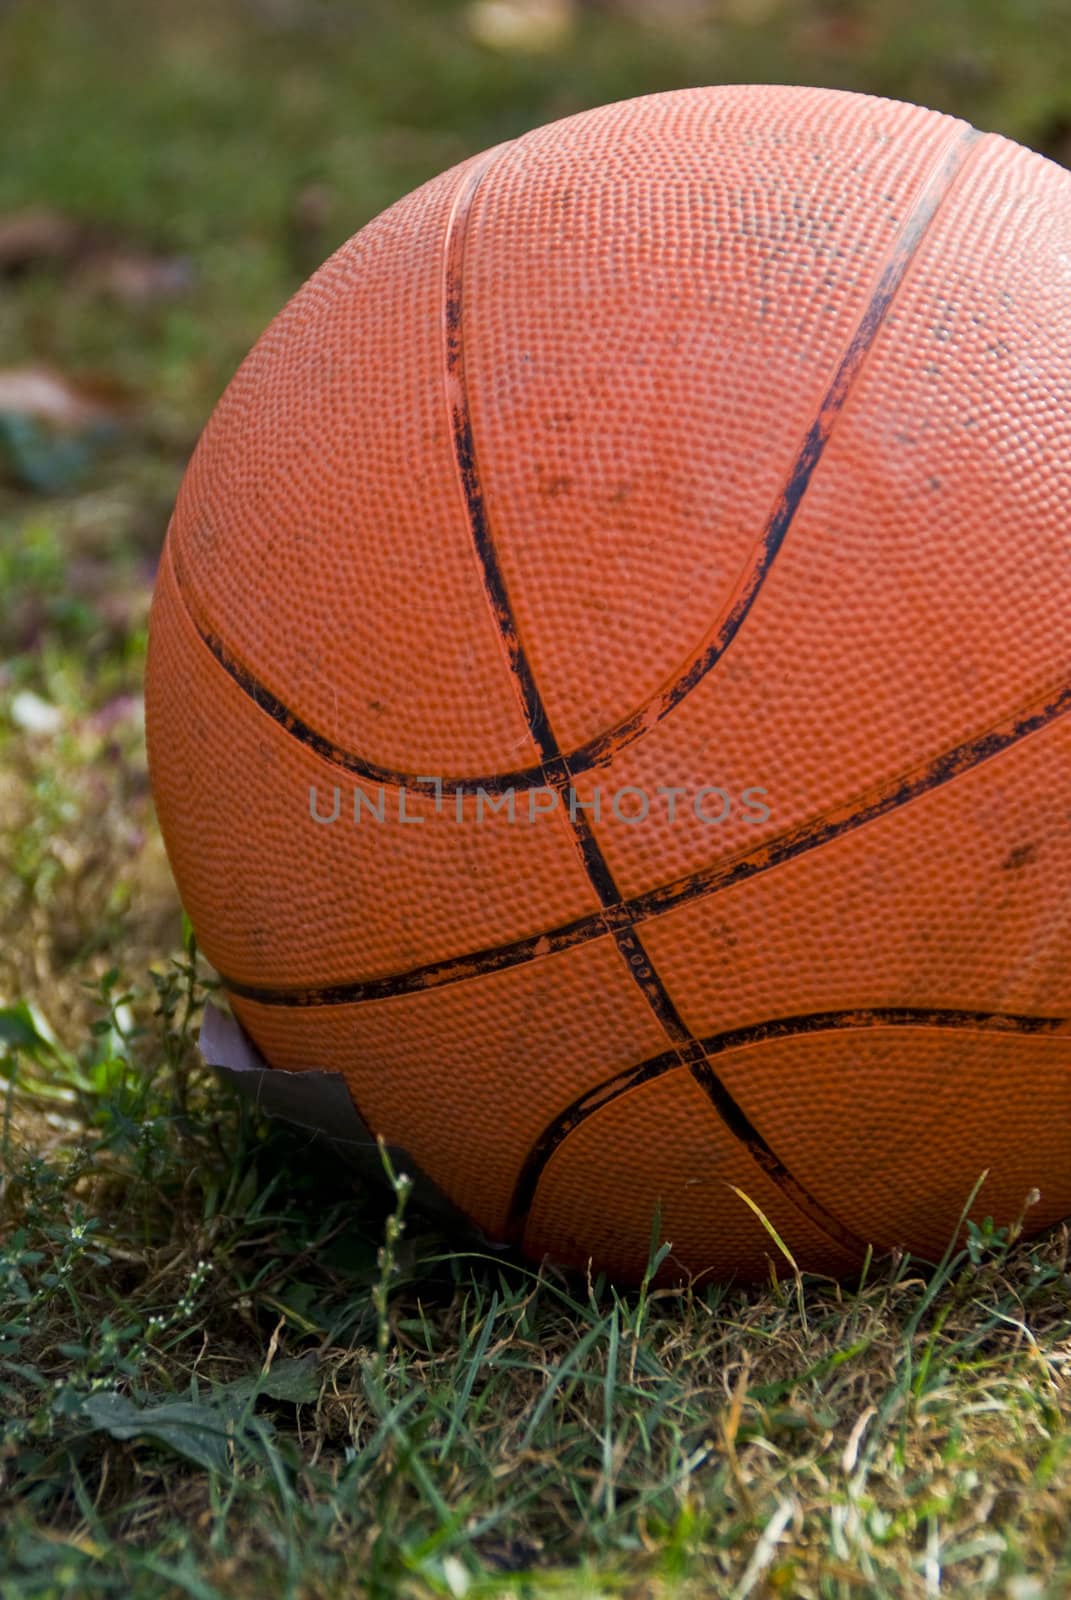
224,1372
226,1369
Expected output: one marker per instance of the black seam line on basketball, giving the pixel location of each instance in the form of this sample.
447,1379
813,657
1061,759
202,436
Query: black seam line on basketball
601,749
594,862
875,1018
464,447
638,963
551,767
596,867
785,847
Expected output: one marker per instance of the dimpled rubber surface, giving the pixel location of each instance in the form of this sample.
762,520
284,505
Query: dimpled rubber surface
720,438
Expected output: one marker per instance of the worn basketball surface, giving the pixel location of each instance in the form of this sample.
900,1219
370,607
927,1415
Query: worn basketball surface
609,681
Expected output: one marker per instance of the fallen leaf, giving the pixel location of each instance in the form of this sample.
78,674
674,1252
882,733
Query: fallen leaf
93,257
296,1379
135,276
532,27
33,460
33,715
202,1433
45,394
51,426
38,234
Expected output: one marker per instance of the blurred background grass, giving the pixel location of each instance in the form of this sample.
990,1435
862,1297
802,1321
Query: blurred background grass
253,136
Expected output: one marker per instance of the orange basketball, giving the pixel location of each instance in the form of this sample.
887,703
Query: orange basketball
609,681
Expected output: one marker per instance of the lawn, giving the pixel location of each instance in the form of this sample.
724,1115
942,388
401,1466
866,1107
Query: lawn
227,1367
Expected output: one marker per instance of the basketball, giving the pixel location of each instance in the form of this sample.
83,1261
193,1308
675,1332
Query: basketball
609,678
